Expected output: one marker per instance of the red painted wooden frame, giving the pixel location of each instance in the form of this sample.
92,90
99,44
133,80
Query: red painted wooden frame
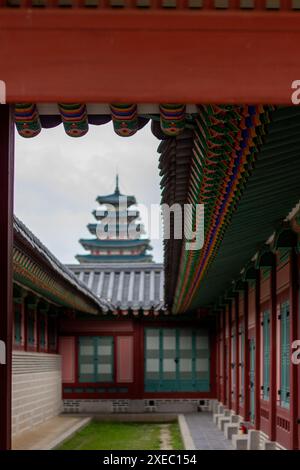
149,56
6,271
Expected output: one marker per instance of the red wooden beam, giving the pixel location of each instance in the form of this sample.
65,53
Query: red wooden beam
6,244
149,56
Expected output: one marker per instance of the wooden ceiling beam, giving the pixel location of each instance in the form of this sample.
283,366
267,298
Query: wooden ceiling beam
182,56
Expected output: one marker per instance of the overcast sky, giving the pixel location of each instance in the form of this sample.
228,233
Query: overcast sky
57,179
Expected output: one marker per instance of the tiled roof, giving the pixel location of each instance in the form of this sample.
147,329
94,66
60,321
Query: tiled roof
122,259
135,287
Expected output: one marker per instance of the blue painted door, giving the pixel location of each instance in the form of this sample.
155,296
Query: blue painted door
252,379
176,360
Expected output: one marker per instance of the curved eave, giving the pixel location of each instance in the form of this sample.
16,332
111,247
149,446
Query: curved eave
113,258
114,244
100,215
114,199
113,220
272,191
118,229
261,193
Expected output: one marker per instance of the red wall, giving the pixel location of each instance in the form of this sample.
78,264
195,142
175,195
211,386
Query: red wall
129,357
277,422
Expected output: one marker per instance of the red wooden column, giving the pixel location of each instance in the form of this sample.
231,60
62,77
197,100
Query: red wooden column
294,289
6,244
246,355
138,370
219,387
237,355
273,351
224,357
229,360
257,351
217,342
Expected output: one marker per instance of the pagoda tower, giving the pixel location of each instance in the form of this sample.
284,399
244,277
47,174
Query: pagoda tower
117,235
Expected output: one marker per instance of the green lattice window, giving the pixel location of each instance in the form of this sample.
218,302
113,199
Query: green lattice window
285,354
96,359
30,328
242,365
42,331
177,359
18,325
52,334
266,355
233,360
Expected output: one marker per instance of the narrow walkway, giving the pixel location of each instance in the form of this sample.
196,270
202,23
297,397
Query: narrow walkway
205,434
47,435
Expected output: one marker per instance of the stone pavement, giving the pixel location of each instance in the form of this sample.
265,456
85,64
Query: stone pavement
204,432
49,434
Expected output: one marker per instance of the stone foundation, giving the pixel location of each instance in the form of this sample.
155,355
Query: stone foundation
150,405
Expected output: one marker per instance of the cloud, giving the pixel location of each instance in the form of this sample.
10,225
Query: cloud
57,179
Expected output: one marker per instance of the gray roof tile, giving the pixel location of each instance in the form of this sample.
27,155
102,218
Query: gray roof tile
134,286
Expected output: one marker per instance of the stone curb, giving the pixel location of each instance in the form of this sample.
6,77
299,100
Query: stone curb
185,433
67,434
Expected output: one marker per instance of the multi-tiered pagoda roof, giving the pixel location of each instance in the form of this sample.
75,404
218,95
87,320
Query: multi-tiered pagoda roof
116,232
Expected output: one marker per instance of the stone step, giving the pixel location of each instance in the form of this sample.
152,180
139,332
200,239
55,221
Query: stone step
230,429
222,421
240,441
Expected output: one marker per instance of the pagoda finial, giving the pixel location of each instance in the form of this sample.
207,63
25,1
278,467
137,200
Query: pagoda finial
117,190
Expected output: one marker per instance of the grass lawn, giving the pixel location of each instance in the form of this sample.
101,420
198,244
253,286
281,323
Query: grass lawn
121,436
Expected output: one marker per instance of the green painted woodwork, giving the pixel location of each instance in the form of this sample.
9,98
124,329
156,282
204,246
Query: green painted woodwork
284,254
266,355
285,354
18,326
114,244
42,338
176,360
31,275
96,359
252,379
52,332
242,352
233,362
30,329
265,273
114,258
